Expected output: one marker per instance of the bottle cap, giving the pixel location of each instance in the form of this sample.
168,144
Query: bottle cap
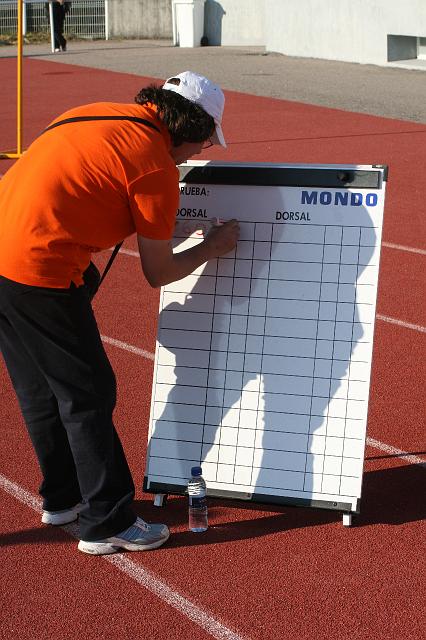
196,471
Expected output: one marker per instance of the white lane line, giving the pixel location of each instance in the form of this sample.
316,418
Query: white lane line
129,252
21,494
128,347
401,247
136,572
401,323
183,605
373,443
404,455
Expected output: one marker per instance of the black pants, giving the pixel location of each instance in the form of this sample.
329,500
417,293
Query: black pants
66,390
58,25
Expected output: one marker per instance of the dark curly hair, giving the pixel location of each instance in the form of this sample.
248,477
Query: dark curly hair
185,120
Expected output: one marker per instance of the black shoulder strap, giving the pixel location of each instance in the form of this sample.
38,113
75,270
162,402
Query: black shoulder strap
110,261
147,123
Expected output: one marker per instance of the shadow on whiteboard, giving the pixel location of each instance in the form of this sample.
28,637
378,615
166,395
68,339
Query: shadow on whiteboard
264,378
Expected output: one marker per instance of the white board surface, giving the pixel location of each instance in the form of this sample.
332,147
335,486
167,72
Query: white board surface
263,357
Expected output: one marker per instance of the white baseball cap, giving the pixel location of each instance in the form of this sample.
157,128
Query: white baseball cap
203,92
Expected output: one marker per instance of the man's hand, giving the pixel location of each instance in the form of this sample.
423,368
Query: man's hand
222,238
161,266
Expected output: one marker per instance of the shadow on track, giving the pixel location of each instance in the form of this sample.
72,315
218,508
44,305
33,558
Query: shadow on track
36,535
390,496
393,496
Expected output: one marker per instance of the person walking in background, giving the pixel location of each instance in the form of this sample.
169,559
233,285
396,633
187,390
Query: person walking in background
97,175
59,9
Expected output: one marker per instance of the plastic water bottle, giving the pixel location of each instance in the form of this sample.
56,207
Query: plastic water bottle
197,511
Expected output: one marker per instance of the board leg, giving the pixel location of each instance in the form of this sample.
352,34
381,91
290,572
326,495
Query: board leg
160,499
347,519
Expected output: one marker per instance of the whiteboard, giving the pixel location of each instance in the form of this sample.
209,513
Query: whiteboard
263,356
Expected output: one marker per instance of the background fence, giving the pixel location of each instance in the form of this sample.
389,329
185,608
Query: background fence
86,18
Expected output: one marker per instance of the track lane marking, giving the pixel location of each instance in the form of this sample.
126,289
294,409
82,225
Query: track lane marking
401,247
129,252
128,347
404,455
136,572
401,323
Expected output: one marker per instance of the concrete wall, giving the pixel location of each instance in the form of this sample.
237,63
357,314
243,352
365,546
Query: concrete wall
140,18
365,31
235,22
226,22
345,30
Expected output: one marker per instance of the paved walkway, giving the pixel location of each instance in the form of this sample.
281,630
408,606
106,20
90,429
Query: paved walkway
389,92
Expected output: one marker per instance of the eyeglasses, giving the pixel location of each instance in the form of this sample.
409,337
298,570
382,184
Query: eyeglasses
207,144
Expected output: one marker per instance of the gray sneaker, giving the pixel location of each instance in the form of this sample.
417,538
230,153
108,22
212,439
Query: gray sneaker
141,536
65,516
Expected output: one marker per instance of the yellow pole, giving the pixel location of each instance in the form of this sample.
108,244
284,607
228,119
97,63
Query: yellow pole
19,119
19,79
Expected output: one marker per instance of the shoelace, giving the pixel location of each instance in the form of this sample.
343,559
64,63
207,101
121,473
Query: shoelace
141,524
133,532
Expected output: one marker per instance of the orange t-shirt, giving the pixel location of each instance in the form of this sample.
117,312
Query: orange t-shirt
83,187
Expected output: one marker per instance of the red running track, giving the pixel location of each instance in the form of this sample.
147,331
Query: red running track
263,572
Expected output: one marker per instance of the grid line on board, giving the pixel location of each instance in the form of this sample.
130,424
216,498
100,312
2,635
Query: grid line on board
328,479
352,339
219,444
313,372
258,408
243,367
208,362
